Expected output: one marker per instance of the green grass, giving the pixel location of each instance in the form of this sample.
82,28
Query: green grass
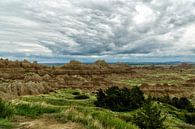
152,80
94,119
63,106
59,101
5,124
172,77
35,109
160,76
135,81
6,109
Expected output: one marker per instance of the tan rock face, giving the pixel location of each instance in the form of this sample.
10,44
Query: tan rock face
25,78
33,77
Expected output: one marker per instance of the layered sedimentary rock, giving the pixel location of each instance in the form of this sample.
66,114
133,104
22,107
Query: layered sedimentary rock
25,78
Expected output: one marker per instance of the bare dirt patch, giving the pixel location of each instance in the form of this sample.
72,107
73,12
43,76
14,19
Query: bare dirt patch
46,123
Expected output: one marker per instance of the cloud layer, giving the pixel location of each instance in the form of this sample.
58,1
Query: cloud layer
116,30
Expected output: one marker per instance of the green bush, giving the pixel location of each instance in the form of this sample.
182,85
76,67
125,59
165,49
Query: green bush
81,96
118,99
6,109
149,117
136,97
184,103
190,118
76,93
180,103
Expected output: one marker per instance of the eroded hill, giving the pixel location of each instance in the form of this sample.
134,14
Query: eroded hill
25,78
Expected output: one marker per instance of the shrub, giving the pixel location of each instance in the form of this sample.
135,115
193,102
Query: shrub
100,98
174,101
81,96
184,103
149,117
190,118
120,99
6,109
136,98
180,103
76,93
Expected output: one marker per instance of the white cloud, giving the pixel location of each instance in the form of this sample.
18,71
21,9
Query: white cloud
144,15
91,28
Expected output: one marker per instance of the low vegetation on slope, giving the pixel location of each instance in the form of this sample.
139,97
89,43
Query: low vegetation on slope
6,112
67,106
6,109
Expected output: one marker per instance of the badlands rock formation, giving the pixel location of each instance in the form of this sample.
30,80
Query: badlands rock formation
25,78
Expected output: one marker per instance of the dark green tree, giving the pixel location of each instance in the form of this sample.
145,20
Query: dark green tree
184,103
118,99
136,98
149,117
100,95
180,103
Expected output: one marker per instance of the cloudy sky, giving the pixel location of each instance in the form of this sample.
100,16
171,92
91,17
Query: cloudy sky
86,30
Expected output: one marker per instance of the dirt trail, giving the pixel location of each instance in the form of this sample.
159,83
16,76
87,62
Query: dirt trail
46,123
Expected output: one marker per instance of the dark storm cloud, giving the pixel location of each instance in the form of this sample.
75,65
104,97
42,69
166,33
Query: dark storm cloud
97,29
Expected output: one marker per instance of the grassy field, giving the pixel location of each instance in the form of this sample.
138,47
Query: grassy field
161,76
65,106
